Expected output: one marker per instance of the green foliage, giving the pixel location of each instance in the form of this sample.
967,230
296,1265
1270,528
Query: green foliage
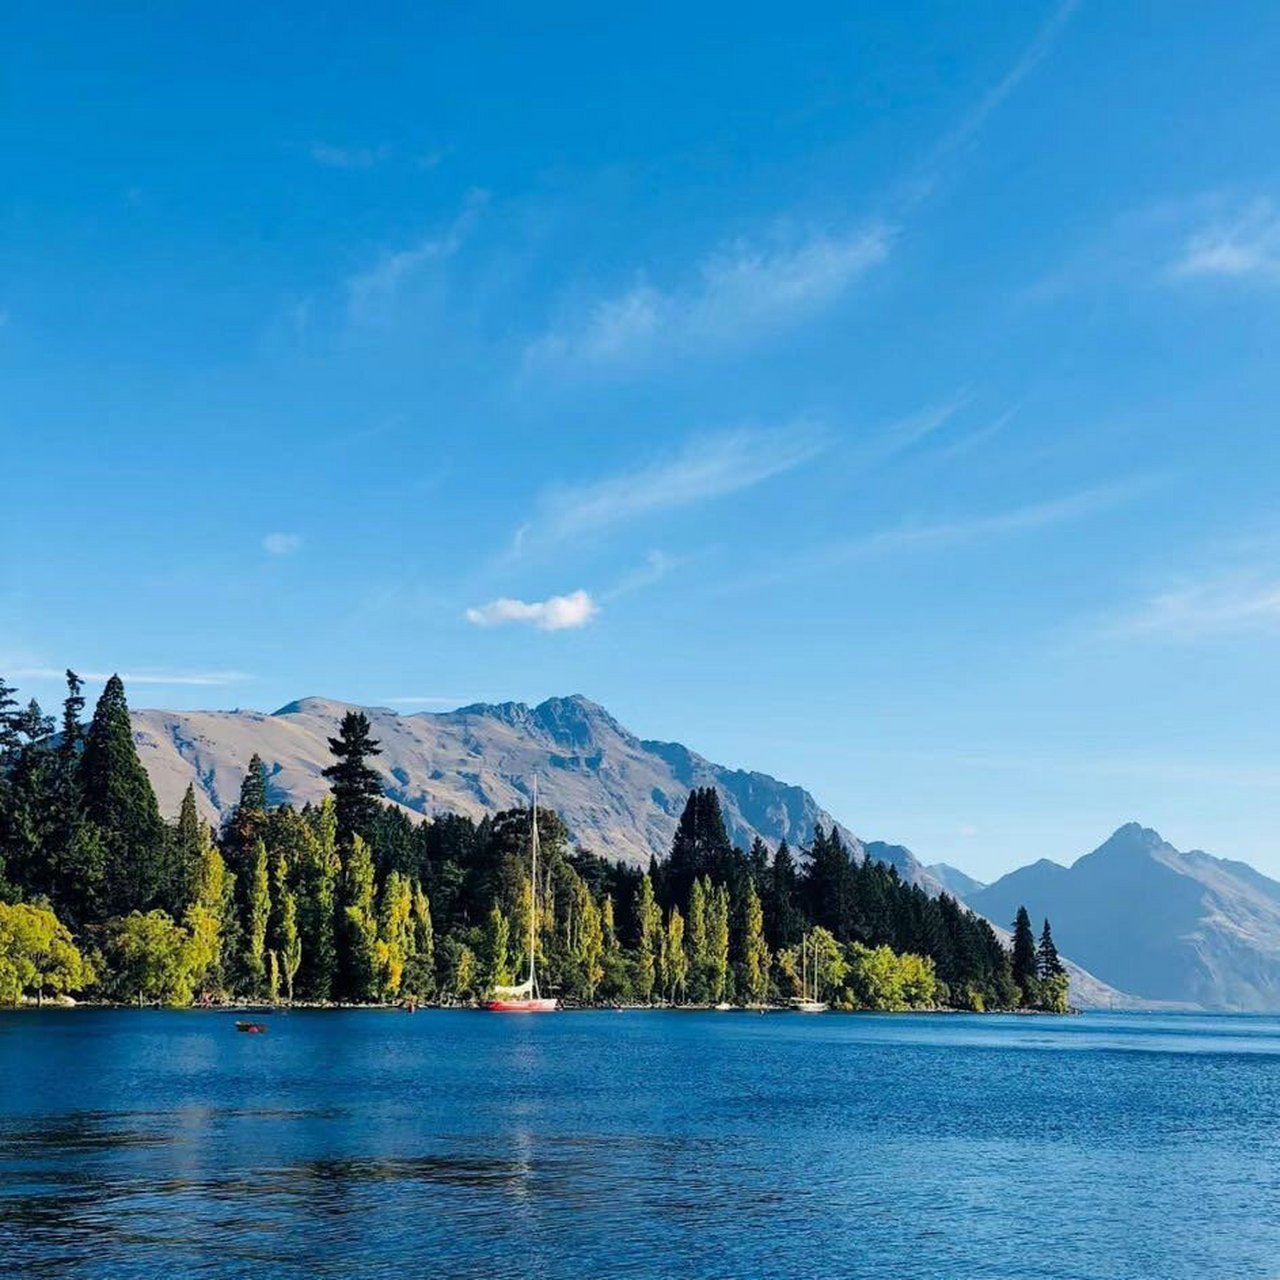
755,951
880,979
357,788
1024,957
119,801
648,941
37,955
148,959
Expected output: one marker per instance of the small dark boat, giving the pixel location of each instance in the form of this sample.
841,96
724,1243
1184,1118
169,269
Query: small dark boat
252,1028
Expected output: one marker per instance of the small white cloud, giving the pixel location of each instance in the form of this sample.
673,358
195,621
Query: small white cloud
738,293
968,832
557,613
282,544
1243,247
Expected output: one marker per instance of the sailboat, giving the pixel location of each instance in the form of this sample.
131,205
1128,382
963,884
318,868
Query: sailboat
804,1003
524,998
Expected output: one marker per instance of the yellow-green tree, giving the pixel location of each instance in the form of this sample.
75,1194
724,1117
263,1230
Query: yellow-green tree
395,933
649,942
359,973
37,955
497,949
696,942
257,917
676,963
755,951
718,944
148,959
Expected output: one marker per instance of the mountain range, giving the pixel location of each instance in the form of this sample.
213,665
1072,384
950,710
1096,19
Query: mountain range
1162,924
620,795
1149,924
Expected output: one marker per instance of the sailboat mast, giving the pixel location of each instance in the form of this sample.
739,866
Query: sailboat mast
533,883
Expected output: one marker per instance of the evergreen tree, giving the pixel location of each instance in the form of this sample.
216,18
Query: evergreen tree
119,800
186,861
357,789
700,847
1048,963
783,922
1024,957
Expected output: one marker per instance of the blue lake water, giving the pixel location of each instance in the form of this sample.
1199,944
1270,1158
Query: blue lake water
639,1144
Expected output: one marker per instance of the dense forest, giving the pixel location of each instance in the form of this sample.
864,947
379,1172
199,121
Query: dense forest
352,900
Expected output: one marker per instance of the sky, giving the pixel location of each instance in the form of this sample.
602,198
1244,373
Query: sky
882,397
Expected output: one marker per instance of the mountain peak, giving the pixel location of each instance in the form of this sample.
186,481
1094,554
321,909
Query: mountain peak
1129,840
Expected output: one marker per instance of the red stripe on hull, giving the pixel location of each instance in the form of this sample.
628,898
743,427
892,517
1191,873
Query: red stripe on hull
521,1006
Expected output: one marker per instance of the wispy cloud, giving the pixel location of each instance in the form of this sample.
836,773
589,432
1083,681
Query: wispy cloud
657,565
423,700
202,678
371,292
963,531
973,121
1231,602
282,544
738,293
335,157
557,613
707,467
1243,246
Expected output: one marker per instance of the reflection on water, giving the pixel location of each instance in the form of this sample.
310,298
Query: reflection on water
453,1144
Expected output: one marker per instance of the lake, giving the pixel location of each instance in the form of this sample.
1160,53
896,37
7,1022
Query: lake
639,1144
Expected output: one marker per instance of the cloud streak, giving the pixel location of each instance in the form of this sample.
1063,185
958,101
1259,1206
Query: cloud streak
332,157
372,291
210,679
705,468
1243,247
1230,603
738,293
964,531
556,613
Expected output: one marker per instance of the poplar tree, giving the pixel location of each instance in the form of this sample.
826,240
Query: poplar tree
317,907
718,944
677,963
696,943
257,918
358,955
285,940
497,946
755,951
420,967
395,932
649,929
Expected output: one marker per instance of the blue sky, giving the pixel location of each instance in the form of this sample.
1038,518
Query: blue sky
885,399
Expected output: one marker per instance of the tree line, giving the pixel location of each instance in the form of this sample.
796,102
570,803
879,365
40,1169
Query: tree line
353,900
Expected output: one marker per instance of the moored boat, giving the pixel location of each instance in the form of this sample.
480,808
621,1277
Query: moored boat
525,998
252,1028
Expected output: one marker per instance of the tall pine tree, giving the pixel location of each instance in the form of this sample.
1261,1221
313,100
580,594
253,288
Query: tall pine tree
356,786
119,801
